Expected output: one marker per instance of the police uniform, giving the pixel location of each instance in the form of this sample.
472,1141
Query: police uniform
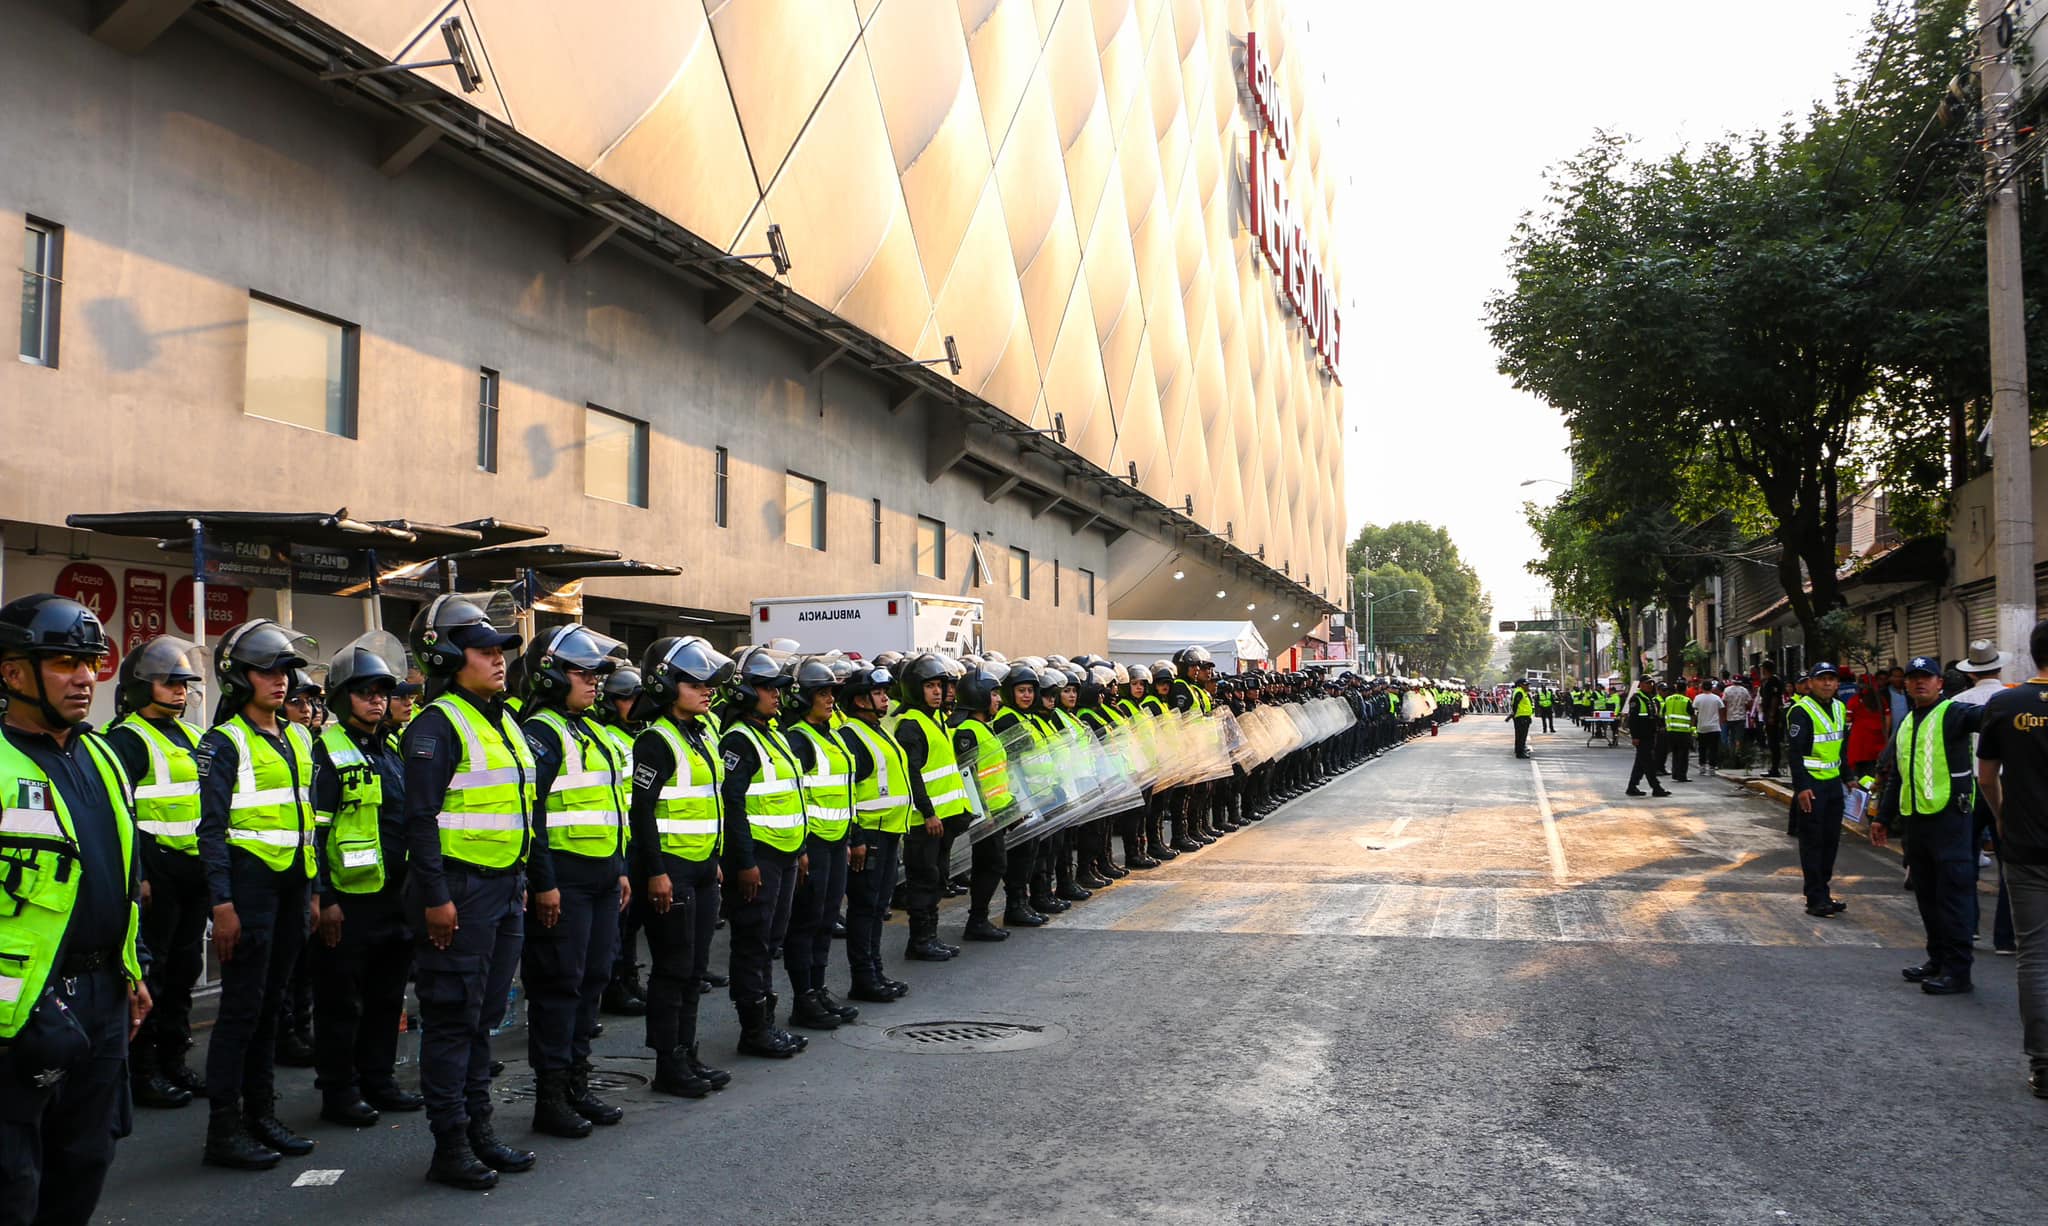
1931,792
359,981
69,923
1645,728
936,791
579,850
1520,713
256,841
678,830
1678,733
469,809
764,831
1814,735
828,816
1546,706
882,810
157,755
1024,904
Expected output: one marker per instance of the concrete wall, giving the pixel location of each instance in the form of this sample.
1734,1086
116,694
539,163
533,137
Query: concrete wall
192,175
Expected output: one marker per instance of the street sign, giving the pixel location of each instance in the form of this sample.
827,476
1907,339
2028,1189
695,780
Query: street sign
1397,640
1542,624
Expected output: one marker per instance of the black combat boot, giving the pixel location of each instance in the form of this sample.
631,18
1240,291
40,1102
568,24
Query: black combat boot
346,1107
589,1105
807,1011
980,929
148,1084
385,1095
493,1153
673,1075
924,943
457,1165
759,1035
552,1113
624,996
229,1144
847,1013
262,1124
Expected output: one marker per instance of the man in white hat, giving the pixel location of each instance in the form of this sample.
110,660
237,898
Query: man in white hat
1983,665
1984,662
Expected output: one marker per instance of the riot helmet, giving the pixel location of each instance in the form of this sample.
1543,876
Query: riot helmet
163,660
1017,677
868,681
813,677
671,662
978,688
48,625
262,646
553,653
926,666
446,627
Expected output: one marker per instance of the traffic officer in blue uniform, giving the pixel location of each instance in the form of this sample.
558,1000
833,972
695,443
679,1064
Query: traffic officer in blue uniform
155,746
1646,733
828,811
625,995
576,874
763,806
936,793
469,811
361,948
1930,791
256,840
72,993
1816,730
678,830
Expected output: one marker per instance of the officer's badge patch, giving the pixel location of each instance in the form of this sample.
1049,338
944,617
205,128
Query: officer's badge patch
645,777
425,746
202,760
35,794
732,760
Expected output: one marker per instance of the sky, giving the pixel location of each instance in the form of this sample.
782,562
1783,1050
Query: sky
1450,115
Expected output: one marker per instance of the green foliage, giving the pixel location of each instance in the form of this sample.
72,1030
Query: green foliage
1450,603
1527,651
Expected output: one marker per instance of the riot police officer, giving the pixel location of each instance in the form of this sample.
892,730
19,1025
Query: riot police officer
677,831
980,755
615,717
937,794
256,840
74,991
361,949
576,874
469,813
1014,723
828,812
764,843
881,815
155,746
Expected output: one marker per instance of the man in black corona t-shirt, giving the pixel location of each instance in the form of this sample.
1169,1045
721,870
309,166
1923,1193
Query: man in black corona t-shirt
2012,775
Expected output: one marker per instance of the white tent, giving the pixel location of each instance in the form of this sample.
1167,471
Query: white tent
1232,643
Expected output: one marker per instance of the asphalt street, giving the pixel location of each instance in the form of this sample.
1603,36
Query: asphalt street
1448,987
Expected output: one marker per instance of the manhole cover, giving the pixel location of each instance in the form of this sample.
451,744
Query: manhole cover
960,1036
519,1087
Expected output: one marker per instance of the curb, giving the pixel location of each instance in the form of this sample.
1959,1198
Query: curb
1783,795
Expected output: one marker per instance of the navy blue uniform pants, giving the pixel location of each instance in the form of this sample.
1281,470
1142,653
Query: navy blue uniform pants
359,991
759,926
241,1061
867,899
57,1143
174,930
1941,860
679,942
1820,837
807,947
462,990
564,968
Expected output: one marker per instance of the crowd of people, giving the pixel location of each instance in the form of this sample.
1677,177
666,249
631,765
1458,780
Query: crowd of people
451,815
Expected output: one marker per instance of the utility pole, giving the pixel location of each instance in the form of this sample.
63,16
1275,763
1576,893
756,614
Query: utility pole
2012,465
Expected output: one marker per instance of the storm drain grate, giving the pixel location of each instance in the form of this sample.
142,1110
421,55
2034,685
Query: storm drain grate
960,1032
519,1087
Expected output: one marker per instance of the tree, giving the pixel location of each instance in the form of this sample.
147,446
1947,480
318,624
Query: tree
1527,651
1464,618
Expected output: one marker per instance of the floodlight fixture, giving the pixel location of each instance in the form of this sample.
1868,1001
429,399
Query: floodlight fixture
951,361
460,58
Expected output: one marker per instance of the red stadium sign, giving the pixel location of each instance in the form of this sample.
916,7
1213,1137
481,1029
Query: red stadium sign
1276,224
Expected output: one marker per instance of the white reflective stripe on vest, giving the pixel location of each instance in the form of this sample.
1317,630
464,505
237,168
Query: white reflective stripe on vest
582,779
480,821
483,778
819,813
771,787
942,773
686,825
823,781
30,821
776,821
947,797
688,791
165,791
170,830
10,990
269,796
602,819
884,801
270,838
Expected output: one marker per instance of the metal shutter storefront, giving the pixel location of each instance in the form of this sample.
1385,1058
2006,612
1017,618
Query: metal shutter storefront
1923,629
1980,612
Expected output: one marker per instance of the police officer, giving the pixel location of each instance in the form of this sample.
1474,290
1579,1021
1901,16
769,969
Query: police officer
399,711
881,814
1678,732
1099,712
1930,791
828,812
937,794
361,949
1546,706
72,993
980,756
677,832
1520,712
764,844
256,840
304,705
1815,728
1066,844
155,746
576,874
1014,724
615,716
469,814
1645,727
1187,695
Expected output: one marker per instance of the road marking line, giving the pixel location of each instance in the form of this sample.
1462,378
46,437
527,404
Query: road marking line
317,1179
1557,866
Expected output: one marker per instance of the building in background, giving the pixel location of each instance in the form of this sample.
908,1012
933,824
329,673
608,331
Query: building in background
1035,302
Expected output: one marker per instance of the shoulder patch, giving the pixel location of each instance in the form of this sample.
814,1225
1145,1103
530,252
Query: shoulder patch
732,760
645,776
425,746
202,758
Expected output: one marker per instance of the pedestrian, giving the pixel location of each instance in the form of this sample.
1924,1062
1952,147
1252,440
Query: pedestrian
576,874
1707,711
470,804
1868,718
677,831
256,841
73,987
1645,731
360,954
155,746
2012,775
1520,712
1770,714
1929,799
1815,737
1984,662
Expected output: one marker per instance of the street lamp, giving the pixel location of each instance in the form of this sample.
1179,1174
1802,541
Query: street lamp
1544,481
1372,602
